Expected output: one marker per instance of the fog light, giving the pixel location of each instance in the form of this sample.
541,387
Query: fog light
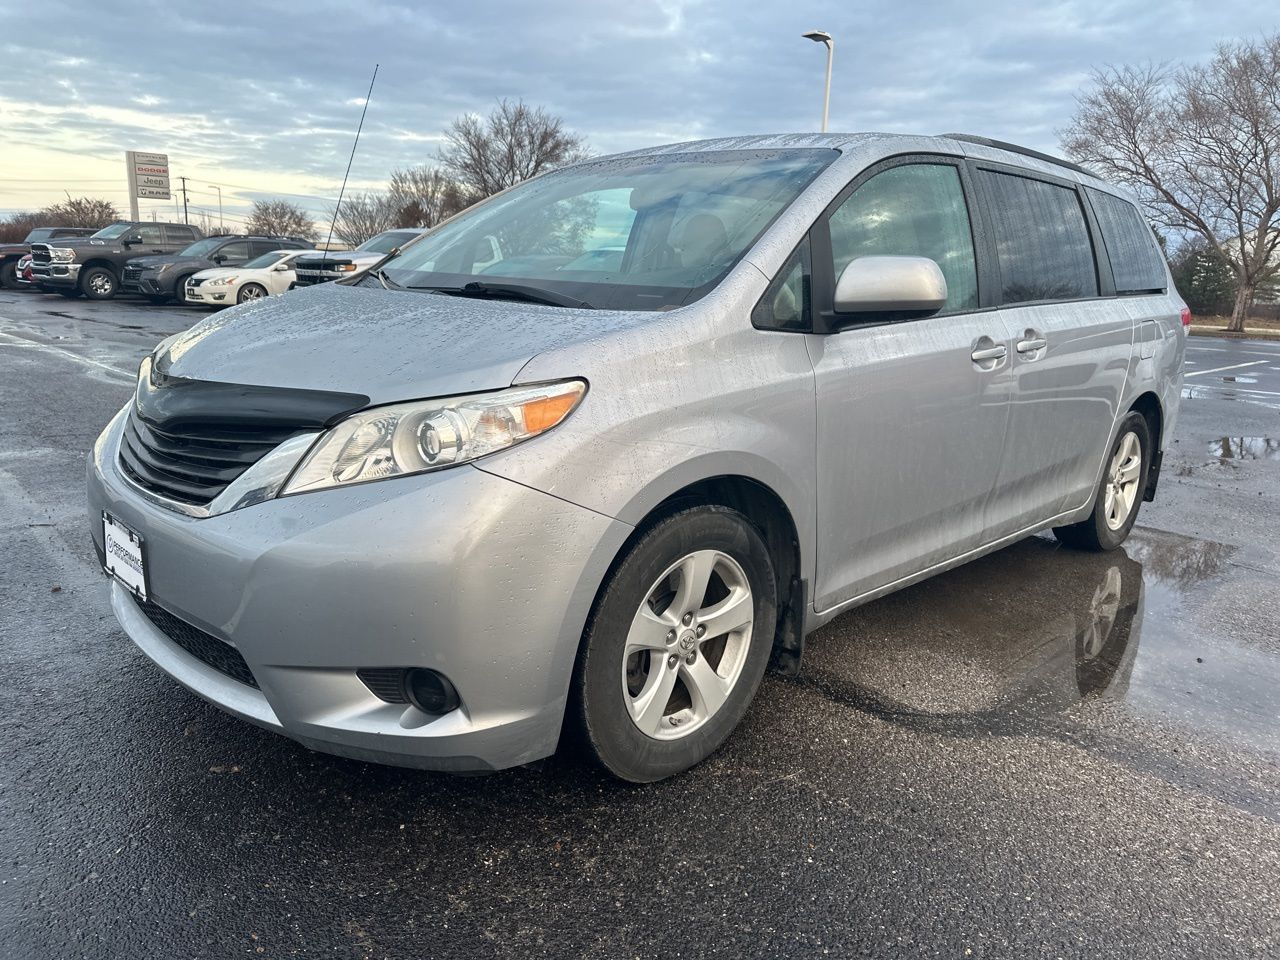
431,692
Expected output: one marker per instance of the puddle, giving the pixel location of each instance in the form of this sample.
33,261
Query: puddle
1245,448
1033,639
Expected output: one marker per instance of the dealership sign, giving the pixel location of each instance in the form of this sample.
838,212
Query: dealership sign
148,175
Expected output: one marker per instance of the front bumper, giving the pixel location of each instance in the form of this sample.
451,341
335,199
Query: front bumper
213,294
147,286
55,274
487,581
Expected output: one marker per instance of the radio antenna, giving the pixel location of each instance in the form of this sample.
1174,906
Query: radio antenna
350,160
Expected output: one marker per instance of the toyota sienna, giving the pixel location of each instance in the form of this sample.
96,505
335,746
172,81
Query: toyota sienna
706,398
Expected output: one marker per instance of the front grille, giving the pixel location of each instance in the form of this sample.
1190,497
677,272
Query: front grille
203,646
194,465
132,273
40,253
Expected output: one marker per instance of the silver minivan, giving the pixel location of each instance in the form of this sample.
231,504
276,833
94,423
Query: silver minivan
707,397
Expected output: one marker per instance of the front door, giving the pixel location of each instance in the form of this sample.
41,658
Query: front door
911,415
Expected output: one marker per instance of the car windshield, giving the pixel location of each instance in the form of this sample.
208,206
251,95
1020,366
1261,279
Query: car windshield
386,242
39,234
202,248
266,260
635,233
113,231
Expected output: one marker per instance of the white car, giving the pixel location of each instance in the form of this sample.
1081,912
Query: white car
268,275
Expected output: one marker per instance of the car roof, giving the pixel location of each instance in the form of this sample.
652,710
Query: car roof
868,147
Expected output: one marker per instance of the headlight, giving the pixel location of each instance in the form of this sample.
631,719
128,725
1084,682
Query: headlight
225,281
428,435
162,268
62,254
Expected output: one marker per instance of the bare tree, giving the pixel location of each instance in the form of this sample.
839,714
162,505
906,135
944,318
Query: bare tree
210,227
515,142
16,226
281,218
1201,145
362,216
80,212
423,196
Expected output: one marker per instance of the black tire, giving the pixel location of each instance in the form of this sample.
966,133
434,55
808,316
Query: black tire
260,290
180,292
599,715
9,274
1094,533
99,283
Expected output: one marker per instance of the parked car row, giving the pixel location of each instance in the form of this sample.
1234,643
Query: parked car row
166,262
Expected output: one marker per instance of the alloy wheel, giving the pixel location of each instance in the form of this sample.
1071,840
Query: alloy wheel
1122,481
687,644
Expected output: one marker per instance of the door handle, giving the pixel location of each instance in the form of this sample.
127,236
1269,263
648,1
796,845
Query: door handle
1032,345
989,353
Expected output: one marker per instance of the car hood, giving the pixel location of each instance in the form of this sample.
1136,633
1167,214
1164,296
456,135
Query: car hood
150,263
385,344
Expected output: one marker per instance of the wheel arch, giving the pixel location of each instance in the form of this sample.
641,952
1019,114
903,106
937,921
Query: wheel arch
765,508
1148,405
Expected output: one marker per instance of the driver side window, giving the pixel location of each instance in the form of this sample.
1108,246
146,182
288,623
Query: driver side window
913,210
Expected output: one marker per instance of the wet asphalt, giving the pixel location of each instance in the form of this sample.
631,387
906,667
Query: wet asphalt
1040,754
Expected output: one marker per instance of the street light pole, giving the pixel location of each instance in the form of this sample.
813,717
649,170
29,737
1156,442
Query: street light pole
821,36
219,189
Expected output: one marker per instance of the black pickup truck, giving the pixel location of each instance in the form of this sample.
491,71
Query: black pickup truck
94,266
11,253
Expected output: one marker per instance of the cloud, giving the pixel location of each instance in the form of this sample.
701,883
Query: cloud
277,108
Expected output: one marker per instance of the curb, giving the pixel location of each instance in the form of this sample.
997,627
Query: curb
1222,333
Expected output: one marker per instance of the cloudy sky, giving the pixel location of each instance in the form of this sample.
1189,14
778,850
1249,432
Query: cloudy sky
262,99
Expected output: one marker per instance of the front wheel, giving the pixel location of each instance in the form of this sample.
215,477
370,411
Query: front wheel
180,292
98,283
1119,493
676,645
250,292
9,274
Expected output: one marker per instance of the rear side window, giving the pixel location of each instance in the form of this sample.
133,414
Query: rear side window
914,210
1042,240
1136,263
180,234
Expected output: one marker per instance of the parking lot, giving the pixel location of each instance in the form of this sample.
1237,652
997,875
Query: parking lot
1042,753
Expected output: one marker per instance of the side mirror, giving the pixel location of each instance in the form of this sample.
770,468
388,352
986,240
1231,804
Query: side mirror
281,267
905,288
133,238
218,258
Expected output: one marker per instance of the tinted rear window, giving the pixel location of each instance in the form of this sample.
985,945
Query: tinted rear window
1135,259
1042,240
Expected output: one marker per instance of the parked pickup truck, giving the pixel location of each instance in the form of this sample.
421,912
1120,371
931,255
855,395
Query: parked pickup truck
94,266
11,253
324,267
164,277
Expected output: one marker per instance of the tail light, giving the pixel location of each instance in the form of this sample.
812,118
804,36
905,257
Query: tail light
1186,316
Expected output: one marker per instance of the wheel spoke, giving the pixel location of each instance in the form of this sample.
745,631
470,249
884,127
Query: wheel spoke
649,706
1129,470
648,630
732,613
707,689
695,575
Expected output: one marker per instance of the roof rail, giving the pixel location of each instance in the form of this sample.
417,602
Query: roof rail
1025,151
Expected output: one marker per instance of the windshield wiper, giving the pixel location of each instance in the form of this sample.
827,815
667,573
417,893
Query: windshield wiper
387,282
513,291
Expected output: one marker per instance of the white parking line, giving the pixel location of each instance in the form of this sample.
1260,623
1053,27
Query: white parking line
1234,366
11,340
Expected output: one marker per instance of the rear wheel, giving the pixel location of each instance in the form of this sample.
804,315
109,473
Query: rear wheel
1119,493
98,283
9,274
251,291
677,644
